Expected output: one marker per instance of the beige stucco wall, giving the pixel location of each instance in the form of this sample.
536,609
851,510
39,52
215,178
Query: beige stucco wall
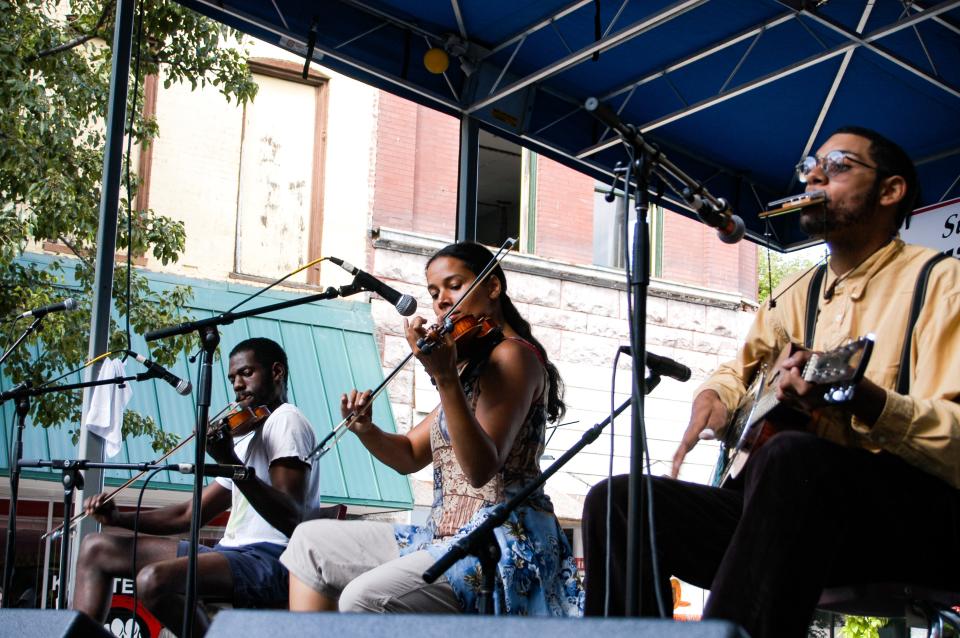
196,176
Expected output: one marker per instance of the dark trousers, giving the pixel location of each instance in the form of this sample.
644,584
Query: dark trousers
811,514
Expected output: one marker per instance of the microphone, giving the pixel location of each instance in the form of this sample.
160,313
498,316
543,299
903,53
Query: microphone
663,365
405,304
712,211
66,304
730,227
233,472
180,385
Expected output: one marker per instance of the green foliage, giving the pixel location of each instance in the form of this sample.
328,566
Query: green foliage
862,627
780,266
55,62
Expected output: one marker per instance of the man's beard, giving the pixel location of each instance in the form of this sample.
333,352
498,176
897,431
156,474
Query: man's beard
827,219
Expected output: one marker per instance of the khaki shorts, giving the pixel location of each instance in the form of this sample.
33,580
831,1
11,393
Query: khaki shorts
359,564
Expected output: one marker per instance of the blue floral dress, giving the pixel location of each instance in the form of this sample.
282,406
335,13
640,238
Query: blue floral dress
536,572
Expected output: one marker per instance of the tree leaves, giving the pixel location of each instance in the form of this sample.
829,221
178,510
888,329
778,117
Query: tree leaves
54,89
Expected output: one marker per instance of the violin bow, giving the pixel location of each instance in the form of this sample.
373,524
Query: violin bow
326,444
79,517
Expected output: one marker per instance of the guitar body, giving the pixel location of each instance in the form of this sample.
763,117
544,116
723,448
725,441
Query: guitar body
759,415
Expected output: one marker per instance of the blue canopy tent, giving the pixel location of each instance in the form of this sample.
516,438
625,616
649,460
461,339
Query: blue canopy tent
735,92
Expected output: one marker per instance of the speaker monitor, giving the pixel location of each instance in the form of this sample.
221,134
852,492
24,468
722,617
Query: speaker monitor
47,623
230,624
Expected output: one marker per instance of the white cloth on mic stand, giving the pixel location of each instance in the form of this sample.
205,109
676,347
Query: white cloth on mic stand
105,416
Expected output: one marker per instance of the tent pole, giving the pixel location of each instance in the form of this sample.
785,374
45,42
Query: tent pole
91,447
467,180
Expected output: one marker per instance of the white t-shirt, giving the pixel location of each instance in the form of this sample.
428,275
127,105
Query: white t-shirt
285,434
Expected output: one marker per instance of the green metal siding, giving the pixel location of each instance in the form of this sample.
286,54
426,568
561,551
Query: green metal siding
331,348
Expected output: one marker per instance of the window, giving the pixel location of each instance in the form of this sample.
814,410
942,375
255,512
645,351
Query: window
280,195
608,230
498,189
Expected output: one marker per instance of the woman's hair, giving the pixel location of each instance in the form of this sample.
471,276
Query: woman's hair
476,257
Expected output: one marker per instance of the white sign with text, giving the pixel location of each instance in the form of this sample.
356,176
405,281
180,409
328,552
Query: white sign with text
936,226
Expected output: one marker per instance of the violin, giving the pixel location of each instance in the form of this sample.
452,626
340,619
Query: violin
477,334
233,420
236,420
474,336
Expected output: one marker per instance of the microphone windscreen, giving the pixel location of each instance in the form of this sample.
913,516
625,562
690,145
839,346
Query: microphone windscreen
733,231
406,305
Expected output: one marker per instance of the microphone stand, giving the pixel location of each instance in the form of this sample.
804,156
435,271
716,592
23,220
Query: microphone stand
209,340
73,480
482,543
22,394
23,407
643,159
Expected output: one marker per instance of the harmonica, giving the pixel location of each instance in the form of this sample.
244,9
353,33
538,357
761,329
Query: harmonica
794,203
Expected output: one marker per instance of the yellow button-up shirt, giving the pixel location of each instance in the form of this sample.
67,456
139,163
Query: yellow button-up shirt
922,427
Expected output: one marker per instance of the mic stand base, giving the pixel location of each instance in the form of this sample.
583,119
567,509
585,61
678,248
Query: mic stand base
488,551
209,340
23,407
72,480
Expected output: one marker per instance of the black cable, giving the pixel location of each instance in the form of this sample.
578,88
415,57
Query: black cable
773,300
608,538
138,7
767,233
136,530
10,431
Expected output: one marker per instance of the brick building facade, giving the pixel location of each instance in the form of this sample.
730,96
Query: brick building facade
701,299
383,192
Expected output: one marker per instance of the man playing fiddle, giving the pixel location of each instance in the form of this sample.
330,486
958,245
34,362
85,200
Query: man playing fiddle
244,566
869,492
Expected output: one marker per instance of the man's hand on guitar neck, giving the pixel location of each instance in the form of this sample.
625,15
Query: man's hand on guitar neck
867,402
792,389
707,417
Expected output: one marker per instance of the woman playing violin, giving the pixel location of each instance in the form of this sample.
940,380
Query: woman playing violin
484,441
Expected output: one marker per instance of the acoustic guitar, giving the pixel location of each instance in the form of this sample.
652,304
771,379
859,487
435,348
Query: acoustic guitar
760,414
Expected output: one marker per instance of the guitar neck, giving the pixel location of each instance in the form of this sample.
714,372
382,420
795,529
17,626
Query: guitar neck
766,404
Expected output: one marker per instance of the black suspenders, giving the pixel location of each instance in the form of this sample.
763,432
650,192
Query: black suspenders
813,305
919,294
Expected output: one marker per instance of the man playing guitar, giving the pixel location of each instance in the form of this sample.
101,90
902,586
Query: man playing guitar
849,498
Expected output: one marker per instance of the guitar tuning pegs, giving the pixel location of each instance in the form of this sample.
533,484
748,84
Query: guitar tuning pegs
840,394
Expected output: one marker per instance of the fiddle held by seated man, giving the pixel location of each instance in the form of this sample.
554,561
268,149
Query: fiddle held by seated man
243,567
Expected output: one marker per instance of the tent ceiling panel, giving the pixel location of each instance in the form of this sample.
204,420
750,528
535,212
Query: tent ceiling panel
732,90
